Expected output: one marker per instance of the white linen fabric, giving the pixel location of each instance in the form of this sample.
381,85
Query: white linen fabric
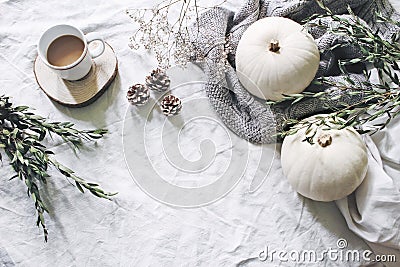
373,210
134,229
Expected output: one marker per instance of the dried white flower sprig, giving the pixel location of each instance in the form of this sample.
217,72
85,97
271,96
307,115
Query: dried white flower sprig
166,34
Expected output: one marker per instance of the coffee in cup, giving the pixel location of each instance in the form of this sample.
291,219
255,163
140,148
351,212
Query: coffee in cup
64,49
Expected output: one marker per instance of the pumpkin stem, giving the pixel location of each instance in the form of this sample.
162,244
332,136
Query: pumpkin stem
324,140
274,45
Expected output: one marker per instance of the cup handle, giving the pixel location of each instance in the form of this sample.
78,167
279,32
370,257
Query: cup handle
98,50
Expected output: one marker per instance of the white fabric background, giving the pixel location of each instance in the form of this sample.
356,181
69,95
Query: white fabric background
134,229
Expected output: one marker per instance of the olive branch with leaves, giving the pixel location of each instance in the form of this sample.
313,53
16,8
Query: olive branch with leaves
21,138
379,100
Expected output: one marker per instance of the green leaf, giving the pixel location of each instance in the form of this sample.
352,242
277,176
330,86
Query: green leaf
13,177
355,60
395,65
19,156
367,39
79,187
42,135
21,108
65,169
33,150
297,100
33,196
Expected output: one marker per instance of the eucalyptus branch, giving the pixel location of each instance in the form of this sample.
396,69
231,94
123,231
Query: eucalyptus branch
79,182
377,99
21,136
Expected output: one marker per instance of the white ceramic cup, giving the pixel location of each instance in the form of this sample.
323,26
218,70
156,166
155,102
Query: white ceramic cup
81,67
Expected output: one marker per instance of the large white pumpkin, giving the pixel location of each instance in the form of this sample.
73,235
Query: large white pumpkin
330,169
276,56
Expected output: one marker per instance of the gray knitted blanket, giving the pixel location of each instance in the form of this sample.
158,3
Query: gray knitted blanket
248,116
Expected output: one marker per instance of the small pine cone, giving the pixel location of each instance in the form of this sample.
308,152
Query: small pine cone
138,94
158,81
171,105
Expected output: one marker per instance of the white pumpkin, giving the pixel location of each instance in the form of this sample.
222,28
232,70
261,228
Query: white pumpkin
276,56
331,168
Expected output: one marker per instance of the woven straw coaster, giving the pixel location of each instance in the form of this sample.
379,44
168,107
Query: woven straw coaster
84,91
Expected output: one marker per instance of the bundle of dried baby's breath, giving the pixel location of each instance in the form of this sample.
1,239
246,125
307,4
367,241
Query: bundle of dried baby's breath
166,34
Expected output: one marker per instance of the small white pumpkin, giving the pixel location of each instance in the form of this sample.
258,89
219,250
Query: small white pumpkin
276,56
331,168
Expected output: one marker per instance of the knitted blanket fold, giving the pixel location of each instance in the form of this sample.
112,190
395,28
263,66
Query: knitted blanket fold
244,114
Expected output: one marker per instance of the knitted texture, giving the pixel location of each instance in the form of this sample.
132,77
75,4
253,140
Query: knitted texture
248,116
